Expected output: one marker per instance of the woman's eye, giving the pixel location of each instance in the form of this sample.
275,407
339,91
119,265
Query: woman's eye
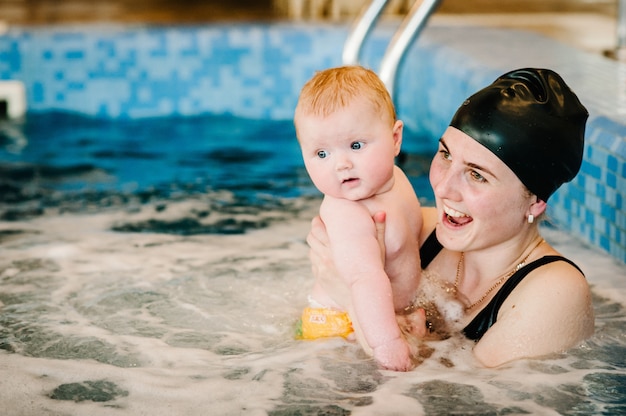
356,145
477,176
322,154
445,154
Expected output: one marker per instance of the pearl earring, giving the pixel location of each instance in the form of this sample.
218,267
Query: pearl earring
531,218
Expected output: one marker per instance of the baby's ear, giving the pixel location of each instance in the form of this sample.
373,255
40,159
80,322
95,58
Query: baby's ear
398,127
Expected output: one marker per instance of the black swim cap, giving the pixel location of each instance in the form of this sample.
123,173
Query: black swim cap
533,122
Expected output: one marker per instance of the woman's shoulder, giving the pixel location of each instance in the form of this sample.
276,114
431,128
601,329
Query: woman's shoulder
550,310
429,222
555,269
556,284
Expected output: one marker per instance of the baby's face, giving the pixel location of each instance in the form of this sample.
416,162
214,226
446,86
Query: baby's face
350,153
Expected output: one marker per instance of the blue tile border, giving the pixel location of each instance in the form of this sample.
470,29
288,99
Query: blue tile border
256,71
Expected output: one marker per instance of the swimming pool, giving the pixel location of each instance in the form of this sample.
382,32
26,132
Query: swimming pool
255,71
157,265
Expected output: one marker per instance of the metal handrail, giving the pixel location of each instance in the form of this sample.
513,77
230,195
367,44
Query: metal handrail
620,50
408,30
363,25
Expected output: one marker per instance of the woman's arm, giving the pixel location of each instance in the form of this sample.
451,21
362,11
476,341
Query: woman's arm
550,311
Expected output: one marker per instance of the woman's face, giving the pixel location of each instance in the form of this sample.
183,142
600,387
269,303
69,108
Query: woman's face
480,201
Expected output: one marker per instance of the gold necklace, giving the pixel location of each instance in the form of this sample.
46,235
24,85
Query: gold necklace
498,282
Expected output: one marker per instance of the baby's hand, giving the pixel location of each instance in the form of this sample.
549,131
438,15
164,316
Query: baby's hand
394,355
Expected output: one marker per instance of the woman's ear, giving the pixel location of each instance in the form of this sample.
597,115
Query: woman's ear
537,208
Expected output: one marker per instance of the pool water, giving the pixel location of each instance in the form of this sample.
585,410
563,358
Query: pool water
72,161
159,266
74,153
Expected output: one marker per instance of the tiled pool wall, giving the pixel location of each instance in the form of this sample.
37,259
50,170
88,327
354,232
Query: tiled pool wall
256,71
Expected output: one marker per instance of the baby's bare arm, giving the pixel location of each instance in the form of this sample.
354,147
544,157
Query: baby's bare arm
356,254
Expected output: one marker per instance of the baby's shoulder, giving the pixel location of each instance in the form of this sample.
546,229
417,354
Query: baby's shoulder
342,209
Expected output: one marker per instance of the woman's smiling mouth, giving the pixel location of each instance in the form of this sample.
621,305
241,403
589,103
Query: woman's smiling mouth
455,217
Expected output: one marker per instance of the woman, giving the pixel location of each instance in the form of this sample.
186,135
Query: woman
507,149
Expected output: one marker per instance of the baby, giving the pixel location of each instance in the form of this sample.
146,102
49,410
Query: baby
349,136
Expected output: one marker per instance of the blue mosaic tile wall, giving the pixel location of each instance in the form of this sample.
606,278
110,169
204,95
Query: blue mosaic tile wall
256,71
122,72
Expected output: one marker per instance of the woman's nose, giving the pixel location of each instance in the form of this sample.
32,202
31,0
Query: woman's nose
446,184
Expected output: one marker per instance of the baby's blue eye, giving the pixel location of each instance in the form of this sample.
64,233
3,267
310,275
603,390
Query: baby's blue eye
322,154
356,145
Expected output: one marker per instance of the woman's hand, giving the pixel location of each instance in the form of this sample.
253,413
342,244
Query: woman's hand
413,324
323,264
379,221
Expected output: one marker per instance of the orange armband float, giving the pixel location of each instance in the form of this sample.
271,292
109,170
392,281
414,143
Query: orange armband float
323,323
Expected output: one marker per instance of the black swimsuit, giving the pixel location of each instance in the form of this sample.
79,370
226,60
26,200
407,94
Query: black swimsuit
488,316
